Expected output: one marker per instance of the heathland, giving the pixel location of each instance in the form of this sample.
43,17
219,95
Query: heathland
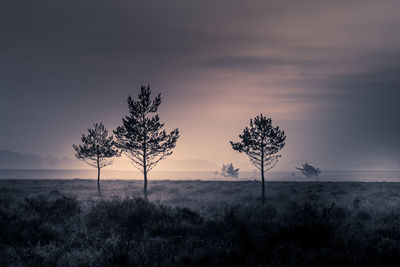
197,223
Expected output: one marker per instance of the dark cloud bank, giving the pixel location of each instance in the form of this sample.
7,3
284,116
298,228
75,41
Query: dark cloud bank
327,71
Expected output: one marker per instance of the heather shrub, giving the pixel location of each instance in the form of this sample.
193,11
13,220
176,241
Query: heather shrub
53,230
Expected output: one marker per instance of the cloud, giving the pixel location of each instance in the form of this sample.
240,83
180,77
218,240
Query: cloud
318,68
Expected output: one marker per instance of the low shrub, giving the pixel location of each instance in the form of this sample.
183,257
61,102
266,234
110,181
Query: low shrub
52,230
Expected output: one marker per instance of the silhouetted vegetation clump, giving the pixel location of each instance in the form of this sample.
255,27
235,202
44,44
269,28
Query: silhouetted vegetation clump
309,171
55,230
228,170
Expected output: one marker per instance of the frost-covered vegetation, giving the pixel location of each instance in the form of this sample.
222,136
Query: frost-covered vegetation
193,223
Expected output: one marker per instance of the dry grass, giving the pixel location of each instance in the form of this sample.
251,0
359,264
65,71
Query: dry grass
200,195
197,223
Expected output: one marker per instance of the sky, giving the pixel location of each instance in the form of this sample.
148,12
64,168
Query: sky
327,72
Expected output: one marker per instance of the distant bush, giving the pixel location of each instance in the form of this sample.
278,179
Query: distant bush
228,170
55,231
309,171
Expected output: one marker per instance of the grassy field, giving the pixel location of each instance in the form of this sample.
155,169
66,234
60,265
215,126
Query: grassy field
197,223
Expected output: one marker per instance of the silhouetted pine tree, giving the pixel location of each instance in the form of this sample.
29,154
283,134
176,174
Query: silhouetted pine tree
261,142
97,149
141,137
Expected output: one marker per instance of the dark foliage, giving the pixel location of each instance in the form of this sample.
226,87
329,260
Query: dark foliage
53,230
261,142
141,136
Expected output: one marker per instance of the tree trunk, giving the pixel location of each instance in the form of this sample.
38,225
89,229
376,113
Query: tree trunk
145,184
144,174
98,173
98,179
262,177
262,185
144,169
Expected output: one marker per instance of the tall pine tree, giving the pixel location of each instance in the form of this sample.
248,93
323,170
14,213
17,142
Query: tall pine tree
141,136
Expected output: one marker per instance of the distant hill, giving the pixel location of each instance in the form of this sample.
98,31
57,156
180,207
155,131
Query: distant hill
15,160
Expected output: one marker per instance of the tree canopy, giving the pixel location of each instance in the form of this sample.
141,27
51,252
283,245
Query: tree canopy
141,135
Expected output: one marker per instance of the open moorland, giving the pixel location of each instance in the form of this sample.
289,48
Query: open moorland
197,223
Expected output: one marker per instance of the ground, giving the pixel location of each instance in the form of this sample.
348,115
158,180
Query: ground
204,196
49,222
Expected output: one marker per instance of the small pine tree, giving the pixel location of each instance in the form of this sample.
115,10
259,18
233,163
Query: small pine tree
141,136
229,171
261,142
97,149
